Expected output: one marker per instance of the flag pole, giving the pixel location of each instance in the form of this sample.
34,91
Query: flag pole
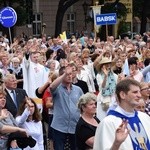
106,30
96,11
10,36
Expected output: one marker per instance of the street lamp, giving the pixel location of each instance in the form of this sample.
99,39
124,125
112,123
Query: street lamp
85,8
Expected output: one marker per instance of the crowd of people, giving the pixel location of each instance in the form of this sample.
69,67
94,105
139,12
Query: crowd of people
91,94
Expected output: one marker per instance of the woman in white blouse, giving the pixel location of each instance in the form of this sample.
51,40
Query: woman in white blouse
107,81
29,118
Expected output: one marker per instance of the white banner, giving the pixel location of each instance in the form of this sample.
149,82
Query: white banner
96,11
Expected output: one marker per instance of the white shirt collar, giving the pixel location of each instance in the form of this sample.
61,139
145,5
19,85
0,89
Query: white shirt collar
122,111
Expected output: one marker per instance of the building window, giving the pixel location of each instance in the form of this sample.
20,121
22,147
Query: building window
37,24
71,22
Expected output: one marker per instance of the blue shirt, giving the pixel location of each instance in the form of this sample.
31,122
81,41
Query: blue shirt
66,113
55,47
146,73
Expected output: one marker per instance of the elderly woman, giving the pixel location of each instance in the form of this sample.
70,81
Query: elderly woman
53,68
87,124
106,80
16,69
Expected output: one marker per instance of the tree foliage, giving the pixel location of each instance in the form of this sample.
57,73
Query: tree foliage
145,14
137,8
121,11
116,7
21,15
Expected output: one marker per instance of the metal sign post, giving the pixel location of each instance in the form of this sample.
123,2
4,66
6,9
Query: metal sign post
106,30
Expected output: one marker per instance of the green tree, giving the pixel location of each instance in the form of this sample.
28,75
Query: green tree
137,8
121,11
145,14
20,7
141,10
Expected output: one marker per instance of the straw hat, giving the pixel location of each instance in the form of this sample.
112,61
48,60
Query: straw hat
104,60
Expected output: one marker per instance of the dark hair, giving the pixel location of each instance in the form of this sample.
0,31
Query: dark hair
132,60
147,62
60,54
61,70
49,52
36,114
94,56
124,86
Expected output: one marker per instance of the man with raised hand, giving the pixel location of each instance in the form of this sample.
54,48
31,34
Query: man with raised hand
66,114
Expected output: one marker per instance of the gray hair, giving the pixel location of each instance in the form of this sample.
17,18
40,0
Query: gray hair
8,77
50,61
84,99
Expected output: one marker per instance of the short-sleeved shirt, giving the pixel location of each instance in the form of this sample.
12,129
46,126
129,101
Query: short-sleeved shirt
66,113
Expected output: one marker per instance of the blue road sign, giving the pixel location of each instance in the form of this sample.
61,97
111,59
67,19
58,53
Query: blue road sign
8,17
104,19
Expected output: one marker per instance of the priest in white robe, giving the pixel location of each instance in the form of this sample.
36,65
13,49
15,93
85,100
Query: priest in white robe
34,74
124,128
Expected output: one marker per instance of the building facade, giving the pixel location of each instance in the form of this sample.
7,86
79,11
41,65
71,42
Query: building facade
44,17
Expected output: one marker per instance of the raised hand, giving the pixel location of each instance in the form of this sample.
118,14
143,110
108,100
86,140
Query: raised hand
49,79
68,70
122,132
105,70
121,76
28,101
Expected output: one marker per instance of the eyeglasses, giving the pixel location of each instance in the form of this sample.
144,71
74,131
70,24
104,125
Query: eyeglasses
145,89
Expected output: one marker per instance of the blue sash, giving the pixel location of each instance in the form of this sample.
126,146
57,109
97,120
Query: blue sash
137,131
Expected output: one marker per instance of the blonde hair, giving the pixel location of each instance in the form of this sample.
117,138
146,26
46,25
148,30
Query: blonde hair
85,51
3,54
15,59
142,84
2,91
